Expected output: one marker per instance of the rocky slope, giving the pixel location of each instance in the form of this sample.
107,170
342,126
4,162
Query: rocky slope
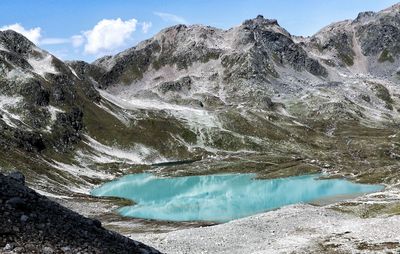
199,100
31,223
292,229
366,45
256,91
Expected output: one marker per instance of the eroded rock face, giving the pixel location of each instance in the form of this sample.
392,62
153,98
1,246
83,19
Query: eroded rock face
277,44
338,38
16,43
182,85
35,93
382,32
31,223
372,38
45,90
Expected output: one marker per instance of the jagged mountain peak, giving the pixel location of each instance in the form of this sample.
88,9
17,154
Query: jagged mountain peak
369,44
261,23
392,9
15,42
183,38
22,56
364,15
258,45
261,20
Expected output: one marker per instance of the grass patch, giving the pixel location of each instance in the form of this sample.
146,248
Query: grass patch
385,56
383,93
347,59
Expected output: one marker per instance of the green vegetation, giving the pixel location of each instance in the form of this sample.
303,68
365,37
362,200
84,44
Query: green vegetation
153,131
130,74
210,55
383,93
347,59
369,210
386,56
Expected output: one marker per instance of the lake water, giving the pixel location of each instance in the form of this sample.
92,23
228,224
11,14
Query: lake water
220,198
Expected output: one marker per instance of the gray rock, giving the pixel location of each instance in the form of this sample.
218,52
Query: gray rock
66,249
9,246
16,202
24,218
47,250
18,176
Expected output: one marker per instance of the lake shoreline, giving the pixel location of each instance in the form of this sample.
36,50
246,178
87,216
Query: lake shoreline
299,228
220,198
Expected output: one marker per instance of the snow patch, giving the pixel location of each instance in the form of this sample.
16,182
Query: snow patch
73,72
192,116
43,66
2,48
119,115
53,112
138,154
53,115
51,195
18,75
7,103
79,171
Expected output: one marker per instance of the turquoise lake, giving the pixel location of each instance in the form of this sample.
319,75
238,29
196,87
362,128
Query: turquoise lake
220,198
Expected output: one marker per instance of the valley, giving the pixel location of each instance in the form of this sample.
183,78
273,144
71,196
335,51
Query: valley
197,101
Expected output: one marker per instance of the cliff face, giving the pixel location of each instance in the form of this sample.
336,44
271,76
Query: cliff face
369,44
40,95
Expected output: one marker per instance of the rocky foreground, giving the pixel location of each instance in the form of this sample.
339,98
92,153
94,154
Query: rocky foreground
31,223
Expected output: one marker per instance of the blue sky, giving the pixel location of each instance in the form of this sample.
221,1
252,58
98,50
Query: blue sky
86,30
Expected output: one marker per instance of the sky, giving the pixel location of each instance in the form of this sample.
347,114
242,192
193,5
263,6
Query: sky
89,29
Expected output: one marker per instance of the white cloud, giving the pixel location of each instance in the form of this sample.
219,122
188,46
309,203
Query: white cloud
108,34
171,17
146,26
61,53
54,41
32,34
77,41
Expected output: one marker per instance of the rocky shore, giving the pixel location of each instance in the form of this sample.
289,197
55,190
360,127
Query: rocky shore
291,229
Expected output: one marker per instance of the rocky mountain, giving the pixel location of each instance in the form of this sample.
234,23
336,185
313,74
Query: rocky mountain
197,100
366,45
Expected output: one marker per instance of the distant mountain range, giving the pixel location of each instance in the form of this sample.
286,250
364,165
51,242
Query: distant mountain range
253,98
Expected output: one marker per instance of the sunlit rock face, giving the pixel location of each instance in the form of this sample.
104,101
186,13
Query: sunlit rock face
219,198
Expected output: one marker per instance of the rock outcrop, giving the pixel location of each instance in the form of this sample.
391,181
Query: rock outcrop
31,223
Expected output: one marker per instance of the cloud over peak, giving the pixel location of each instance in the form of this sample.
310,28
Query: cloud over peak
168,17
33,34
108,34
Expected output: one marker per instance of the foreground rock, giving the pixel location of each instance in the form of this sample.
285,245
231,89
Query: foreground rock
31,223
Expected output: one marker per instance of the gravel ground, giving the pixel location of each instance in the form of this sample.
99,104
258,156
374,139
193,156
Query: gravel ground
292,229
